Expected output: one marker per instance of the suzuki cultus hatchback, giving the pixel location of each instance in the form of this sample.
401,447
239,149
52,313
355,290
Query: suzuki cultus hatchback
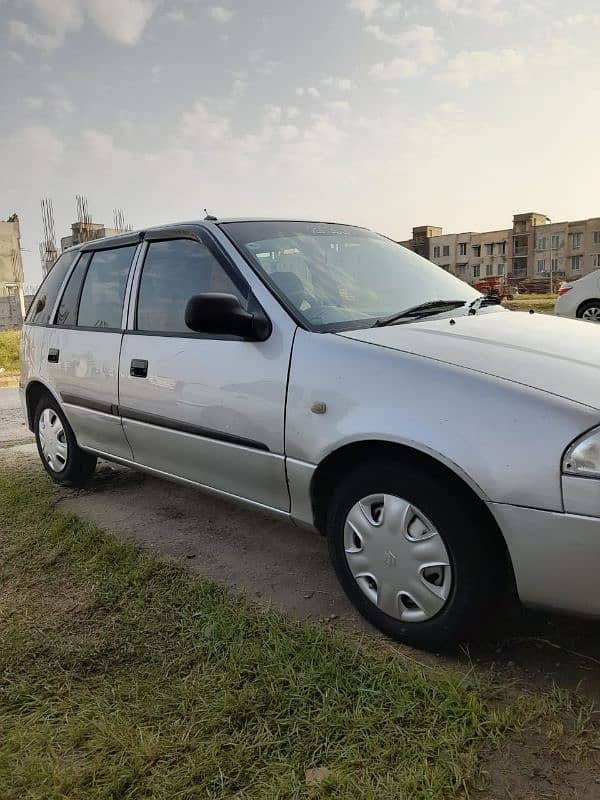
448,449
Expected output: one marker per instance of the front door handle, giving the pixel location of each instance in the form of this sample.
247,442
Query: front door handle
53,355
138,368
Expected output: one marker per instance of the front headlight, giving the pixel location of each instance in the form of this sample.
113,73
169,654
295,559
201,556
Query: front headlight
583,456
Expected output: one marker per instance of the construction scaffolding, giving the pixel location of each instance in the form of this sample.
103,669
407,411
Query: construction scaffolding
48,249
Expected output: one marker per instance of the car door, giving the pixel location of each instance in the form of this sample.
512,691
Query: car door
206,408
84,345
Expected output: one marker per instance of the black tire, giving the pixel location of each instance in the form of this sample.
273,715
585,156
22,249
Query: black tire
79,465
588,306
477,554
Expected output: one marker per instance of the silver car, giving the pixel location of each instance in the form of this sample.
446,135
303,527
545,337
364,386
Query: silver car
448,449
580,298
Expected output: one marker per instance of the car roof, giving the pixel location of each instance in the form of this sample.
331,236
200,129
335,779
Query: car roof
130,237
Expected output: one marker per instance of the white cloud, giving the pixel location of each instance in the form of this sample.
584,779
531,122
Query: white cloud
238,87
221,14
421,48
419,42
392,10
175,15
201,125
273,114
22,32
123,21
341,84
39,144
34,103
339,105
382,8
365,7
471,66
292,112
492,11
260,62
394,70
310,92
288,133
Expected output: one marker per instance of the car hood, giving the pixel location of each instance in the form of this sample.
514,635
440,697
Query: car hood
559,356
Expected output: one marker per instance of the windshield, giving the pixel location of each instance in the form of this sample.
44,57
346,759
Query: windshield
337,277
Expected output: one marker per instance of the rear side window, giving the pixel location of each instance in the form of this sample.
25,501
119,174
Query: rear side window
103,294
67,309
43,303
174,271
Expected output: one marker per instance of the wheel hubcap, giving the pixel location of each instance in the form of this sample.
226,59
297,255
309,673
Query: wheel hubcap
592,314
397,557
53,440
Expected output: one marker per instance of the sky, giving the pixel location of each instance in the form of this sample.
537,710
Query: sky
383,113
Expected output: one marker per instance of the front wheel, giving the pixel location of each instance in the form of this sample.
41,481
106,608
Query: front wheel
414,553
63,459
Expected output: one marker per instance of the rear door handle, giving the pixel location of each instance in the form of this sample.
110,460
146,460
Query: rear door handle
53,355
138,368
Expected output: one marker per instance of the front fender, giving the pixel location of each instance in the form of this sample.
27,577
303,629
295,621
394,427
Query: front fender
504,439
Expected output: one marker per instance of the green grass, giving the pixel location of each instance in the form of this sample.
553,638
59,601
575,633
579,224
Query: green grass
9,350
122,676
542,303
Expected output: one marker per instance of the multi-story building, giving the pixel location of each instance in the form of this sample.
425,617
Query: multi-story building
85,232
533,248
11,264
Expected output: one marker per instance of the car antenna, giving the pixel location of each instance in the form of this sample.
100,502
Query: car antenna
209,217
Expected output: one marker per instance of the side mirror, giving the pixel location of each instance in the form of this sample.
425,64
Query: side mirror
216,312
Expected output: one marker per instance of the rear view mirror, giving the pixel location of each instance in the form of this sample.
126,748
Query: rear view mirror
219,313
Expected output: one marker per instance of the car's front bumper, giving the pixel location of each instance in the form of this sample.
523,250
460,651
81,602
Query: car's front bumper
556,557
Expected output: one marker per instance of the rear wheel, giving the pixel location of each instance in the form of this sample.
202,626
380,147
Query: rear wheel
63,459
590,311
416,557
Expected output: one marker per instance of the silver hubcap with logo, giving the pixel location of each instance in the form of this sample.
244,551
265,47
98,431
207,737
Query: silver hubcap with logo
53,440
397,557
592,314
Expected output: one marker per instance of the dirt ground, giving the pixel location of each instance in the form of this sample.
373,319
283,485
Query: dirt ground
287,568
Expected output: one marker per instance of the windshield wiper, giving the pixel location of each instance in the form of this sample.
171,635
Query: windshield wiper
417,312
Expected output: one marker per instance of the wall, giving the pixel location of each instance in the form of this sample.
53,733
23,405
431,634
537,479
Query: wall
11,266
11,311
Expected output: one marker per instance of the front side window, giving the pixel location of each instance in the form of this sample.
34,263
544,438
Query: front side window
103,294
43,303
173,272
337,277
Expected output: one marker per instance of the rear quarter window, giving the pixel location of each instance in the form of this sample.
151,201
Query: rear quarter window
43,303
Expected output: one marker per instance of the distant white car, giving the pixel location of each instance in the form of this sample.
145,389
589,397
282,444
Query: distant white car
580,298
